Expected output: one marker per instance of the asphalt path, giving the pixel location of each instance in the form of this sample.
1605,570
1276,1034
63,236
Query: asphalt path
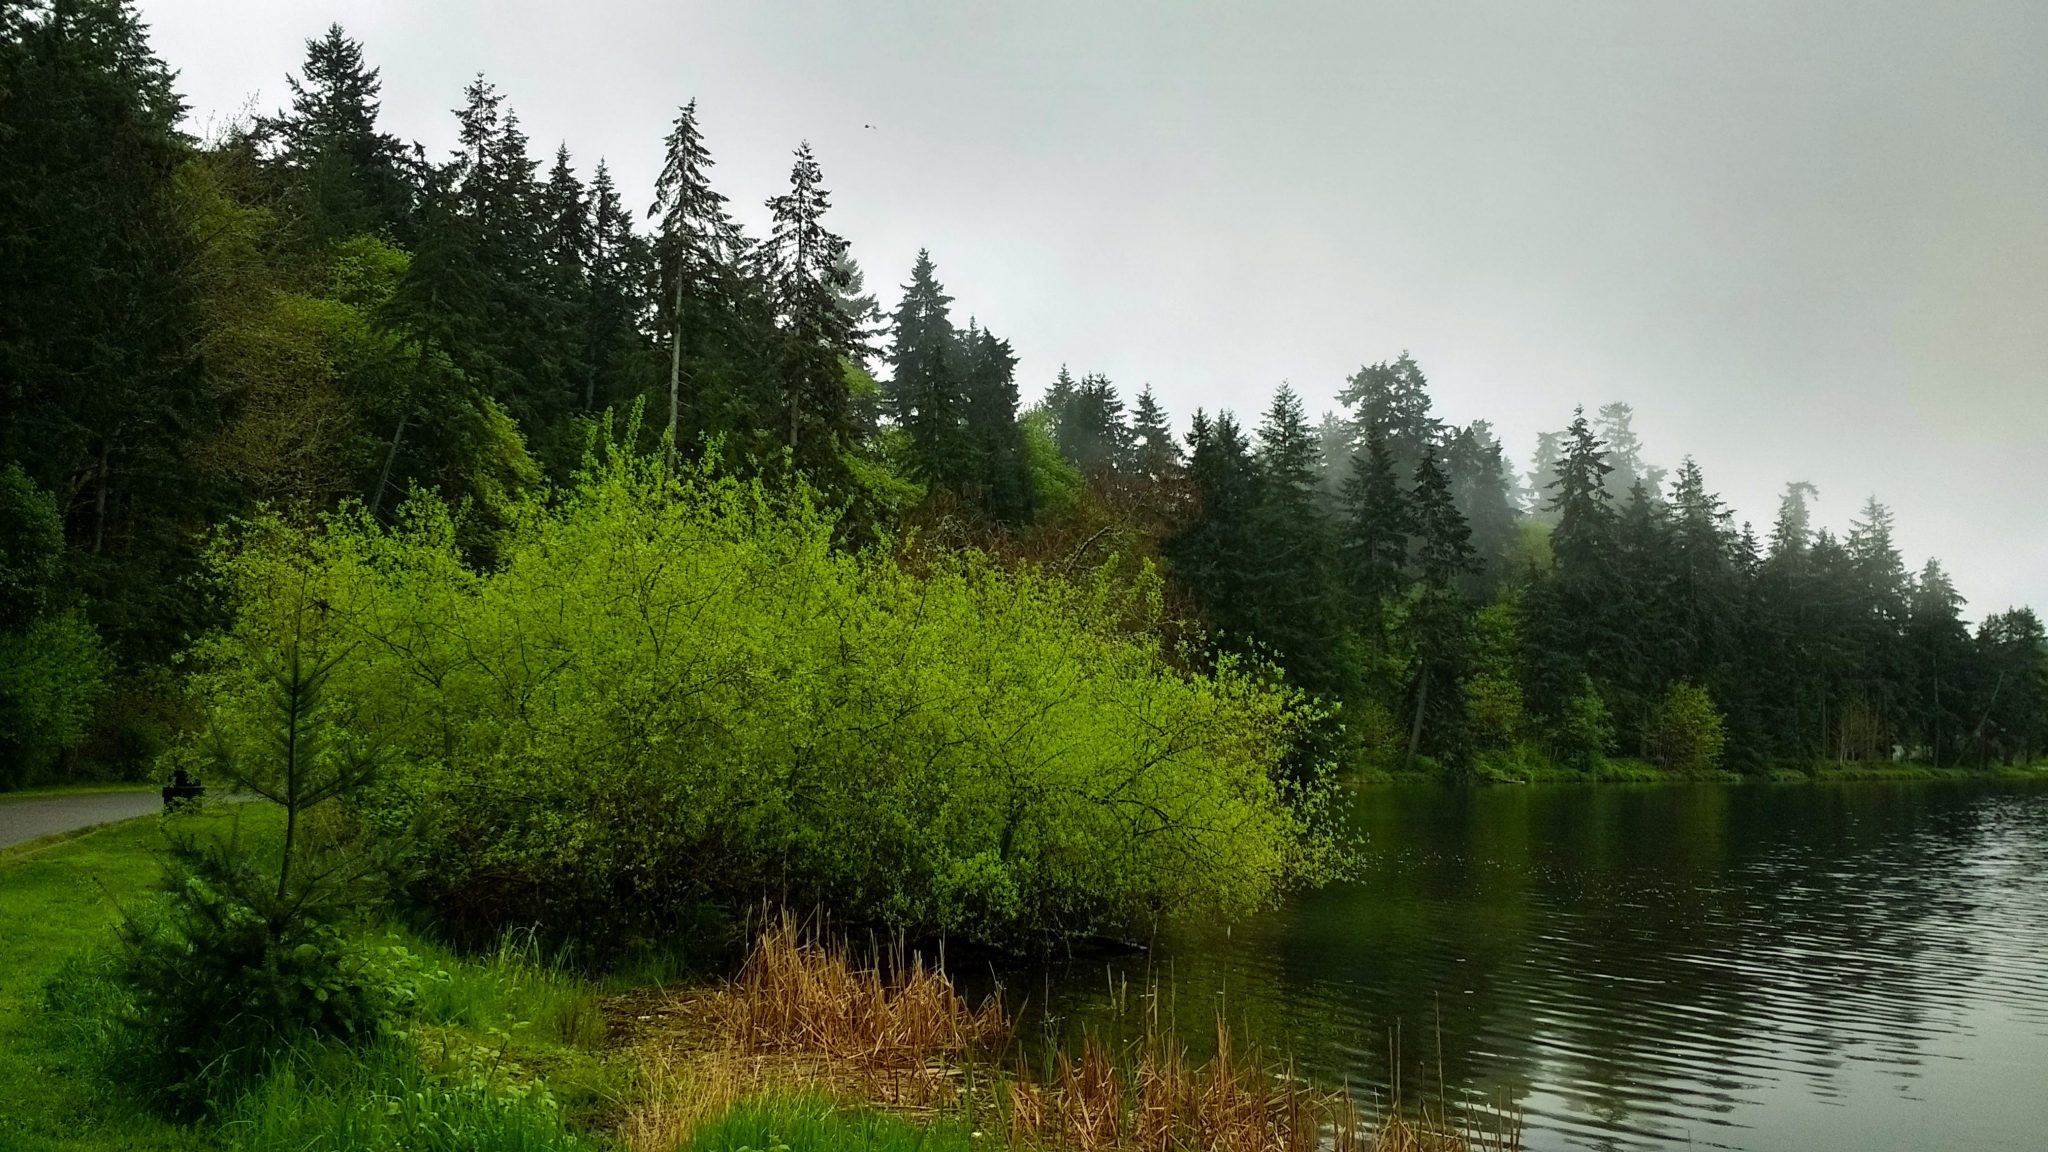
25,820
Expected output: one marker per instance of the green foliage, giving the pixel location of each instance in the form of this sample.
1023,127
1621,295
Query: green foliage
51,676
247,953
219,989
53,668
668,690
1584,734
1055,483
1689,730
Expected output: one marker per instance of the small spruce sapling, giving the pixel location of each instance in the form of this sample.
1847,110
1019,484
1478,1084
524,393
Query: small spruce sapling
248,949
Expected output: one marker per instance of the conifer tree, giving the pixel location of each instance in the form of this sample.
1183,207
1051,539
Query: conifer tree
922,391
1443,557
988,386
618,266
1574,614
1157,455
1373,548
1616,429
1392,397
1293,592
694,244
102,400
1484,492
804,268
342,175
1088,423
1215,554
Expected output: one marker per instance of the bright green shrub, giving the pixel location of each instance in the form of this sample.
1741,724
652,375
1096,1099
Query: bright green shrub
1688,731
1585,734
668,691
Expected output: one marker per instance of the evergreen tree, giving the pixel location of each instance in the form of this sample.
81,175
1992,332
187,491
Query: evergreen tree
618,267
1373,548
1542,474
864,321
804,265
1574,614
694,245
342,175
2010,707
1392,398
1216,552
1292,597
1339,443
1088,423
1483,489
102,401
1443,556
988,379
1942,665
926,400
1157,456
1616,428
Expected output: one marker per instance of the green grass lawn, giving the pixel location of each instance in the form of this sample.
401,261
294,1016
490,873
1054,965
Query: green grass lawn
493,1024
76,790
56,904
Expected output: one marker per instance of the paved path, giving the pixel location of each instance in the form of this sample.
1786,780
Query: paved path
24,820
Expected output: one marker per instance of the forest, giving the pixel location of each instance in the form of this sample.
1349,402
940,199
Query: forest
306,318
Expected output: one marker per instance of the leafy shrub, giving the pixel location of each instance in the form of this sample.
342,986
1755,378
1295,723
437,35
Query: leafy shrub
1585,734
677,688
1688,730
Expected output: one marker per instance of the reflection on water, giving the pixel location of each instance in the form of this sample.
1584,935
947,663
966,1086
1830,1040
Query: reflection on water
1769,967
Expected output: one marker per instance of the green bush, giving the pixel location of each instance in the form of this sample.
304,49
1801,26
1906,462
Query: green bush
1688,731
673,690
1585,734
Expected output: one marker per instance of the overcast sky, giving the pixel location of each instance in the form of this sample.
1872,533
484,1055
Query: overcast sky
1807,241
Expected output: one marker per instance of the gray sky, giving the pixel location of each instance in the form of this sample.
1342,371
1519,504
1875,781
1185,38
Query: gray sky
1804,240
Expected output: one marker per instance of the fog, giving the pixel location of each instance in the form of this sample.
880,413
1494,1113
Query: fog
1806,242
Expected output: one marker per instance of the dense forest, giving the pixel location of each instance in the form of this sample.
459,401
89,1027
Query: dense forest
307,315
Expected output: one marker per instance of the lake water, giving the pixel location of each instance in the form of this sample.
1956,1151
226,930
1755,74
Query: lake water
1857,966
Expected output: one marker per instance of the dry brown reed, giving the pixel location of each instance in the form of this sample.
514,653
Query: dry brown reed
799,994
803,1016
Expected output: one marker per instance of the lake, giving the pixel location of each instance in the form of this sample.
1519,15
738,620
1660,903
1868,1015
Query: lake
1756,967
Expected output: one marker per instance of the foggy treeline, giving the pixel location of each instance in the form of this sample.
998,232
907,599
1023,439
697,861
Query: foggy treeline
308,311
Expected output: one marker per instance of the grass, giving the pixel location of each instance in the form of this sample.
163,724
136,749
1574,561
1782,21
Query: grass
1908,770
57,905
812,1122
93,789
501,1051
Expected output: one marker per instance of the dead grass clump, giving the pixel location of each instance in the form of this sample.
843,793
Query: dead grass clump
1161,1101
802,996
802,1016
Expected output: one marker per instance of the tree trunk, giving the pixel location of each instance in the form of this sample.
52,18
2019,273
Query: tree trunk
390,455
675,370
1421,705
99,506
